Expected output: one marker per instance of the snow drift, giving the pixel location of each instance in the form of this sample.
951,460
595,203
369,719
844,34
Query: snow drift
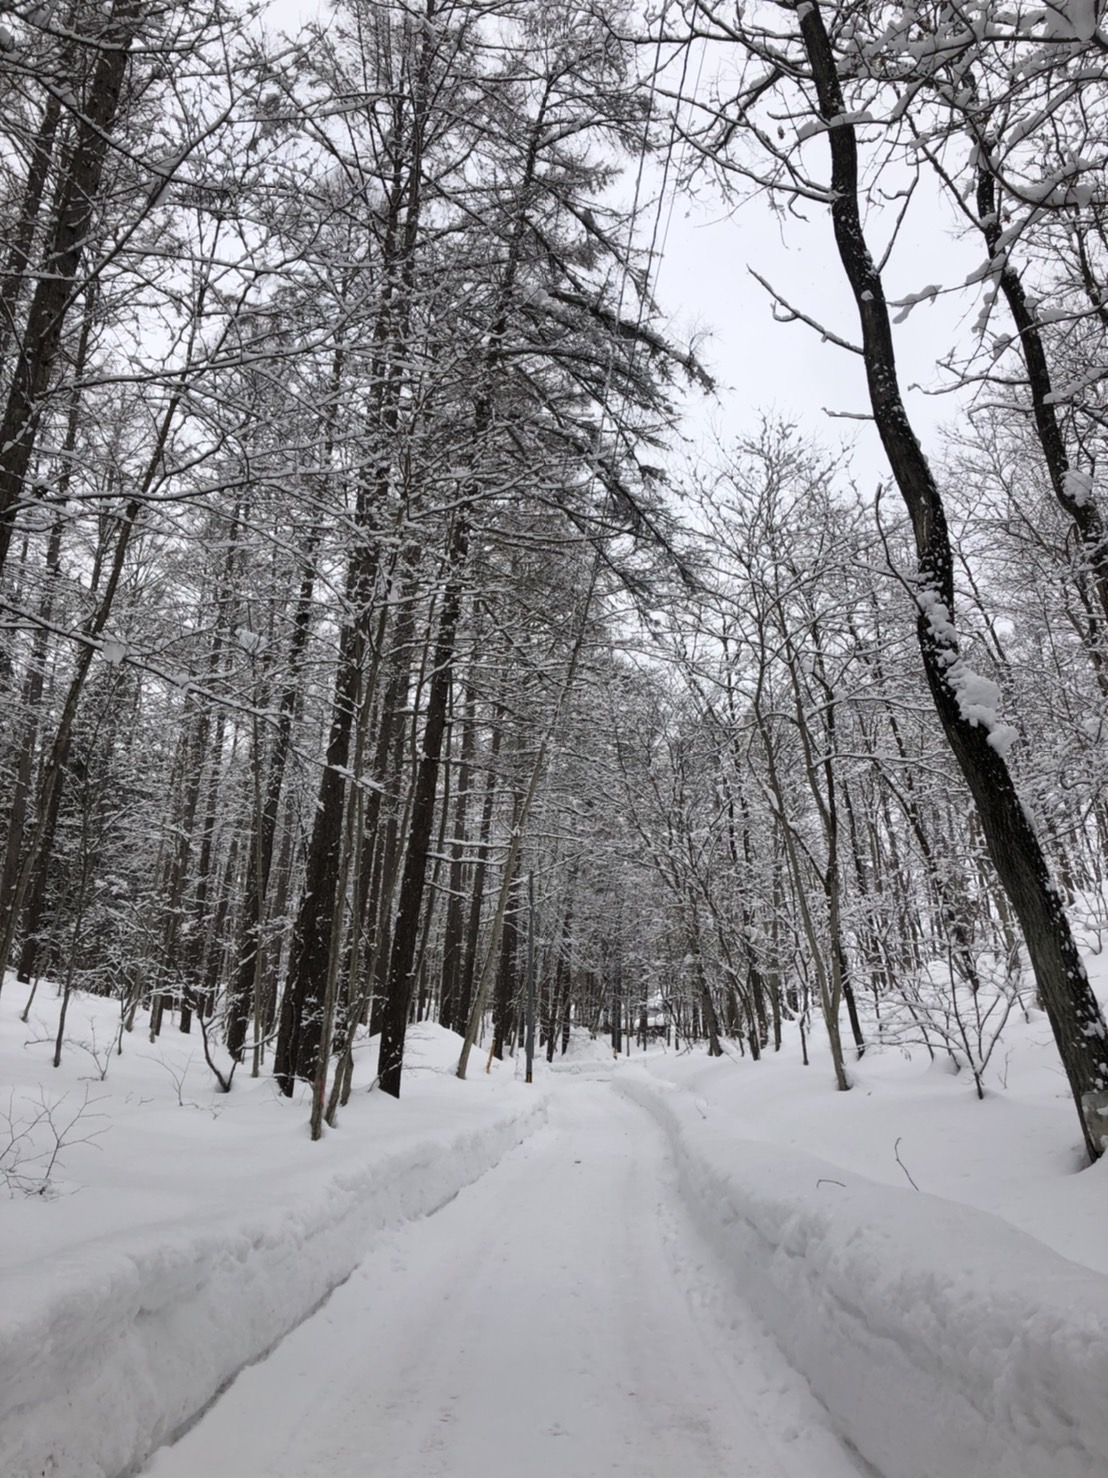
945,1343
126,1342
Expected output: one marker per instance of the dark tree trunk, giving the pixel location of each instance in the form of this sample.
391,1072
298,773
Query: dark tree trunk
504,997
1076,503
559,1006
394,1019
30,703
477,884
36,668
617,1007
453,945
23,236
1013,845
300,1022
34,907
379,863
79,187
260,857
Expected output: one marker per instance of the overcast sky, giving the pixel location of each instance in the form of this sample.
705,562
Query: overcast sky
704,283
704,288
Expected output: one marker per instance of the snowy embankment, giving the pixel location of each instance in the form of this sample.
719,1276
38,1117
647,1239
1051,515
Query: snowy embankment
945,1342
114,1338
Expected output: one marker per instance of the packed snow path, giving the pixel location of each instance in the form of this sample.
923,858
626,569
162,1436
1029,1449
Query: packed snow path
558,1318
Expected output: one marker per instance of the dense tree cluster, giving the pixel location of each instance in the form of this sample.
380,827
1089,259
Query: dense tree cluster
360,663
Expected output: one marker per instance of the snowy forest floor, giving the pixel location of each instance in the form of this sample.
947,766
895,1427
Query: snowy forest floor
658,1265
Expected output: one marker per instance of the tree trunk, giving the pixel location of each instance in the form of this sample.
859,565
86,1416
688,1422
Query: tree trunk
81,172
503,1003
266,809
451,1013
298,1035
394,1021
1063,984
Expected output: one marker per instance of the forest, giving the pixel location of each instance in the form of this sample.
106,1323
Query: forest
376,647
552,912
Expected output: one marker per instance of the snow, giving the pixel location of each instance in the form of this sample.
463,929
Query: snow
1070,20
977,696
840,120
113,651
550,1321
212,1228
643,1267
1079,486
927,294
944,1341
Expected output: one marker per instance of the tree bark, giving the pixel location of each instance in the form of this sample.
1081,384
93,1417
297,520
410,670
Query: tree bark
394,1021
1013,845
53,295
268,801
451,1013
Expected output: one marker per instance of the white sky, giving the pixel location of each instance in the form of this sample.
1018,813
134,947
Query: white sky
761,365
704,289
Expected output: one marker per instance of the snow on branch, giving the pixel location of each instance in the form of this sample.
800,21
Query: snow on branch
794,315
1069,20
978,697
907,303
840,120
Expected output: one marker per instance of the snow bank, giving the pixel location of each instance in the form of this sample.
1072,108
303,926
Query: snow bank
943,1341
123,1343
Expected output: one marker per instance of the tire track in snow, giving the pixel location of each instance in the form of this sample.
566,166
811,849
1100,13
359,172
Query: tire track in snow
560,1317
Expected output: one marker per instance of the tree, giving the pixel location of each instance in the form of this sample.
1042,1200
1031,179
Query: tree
811,59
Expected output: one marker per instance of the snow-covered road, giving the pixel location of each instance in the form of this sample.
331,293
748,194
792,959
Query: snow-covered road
559,1318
